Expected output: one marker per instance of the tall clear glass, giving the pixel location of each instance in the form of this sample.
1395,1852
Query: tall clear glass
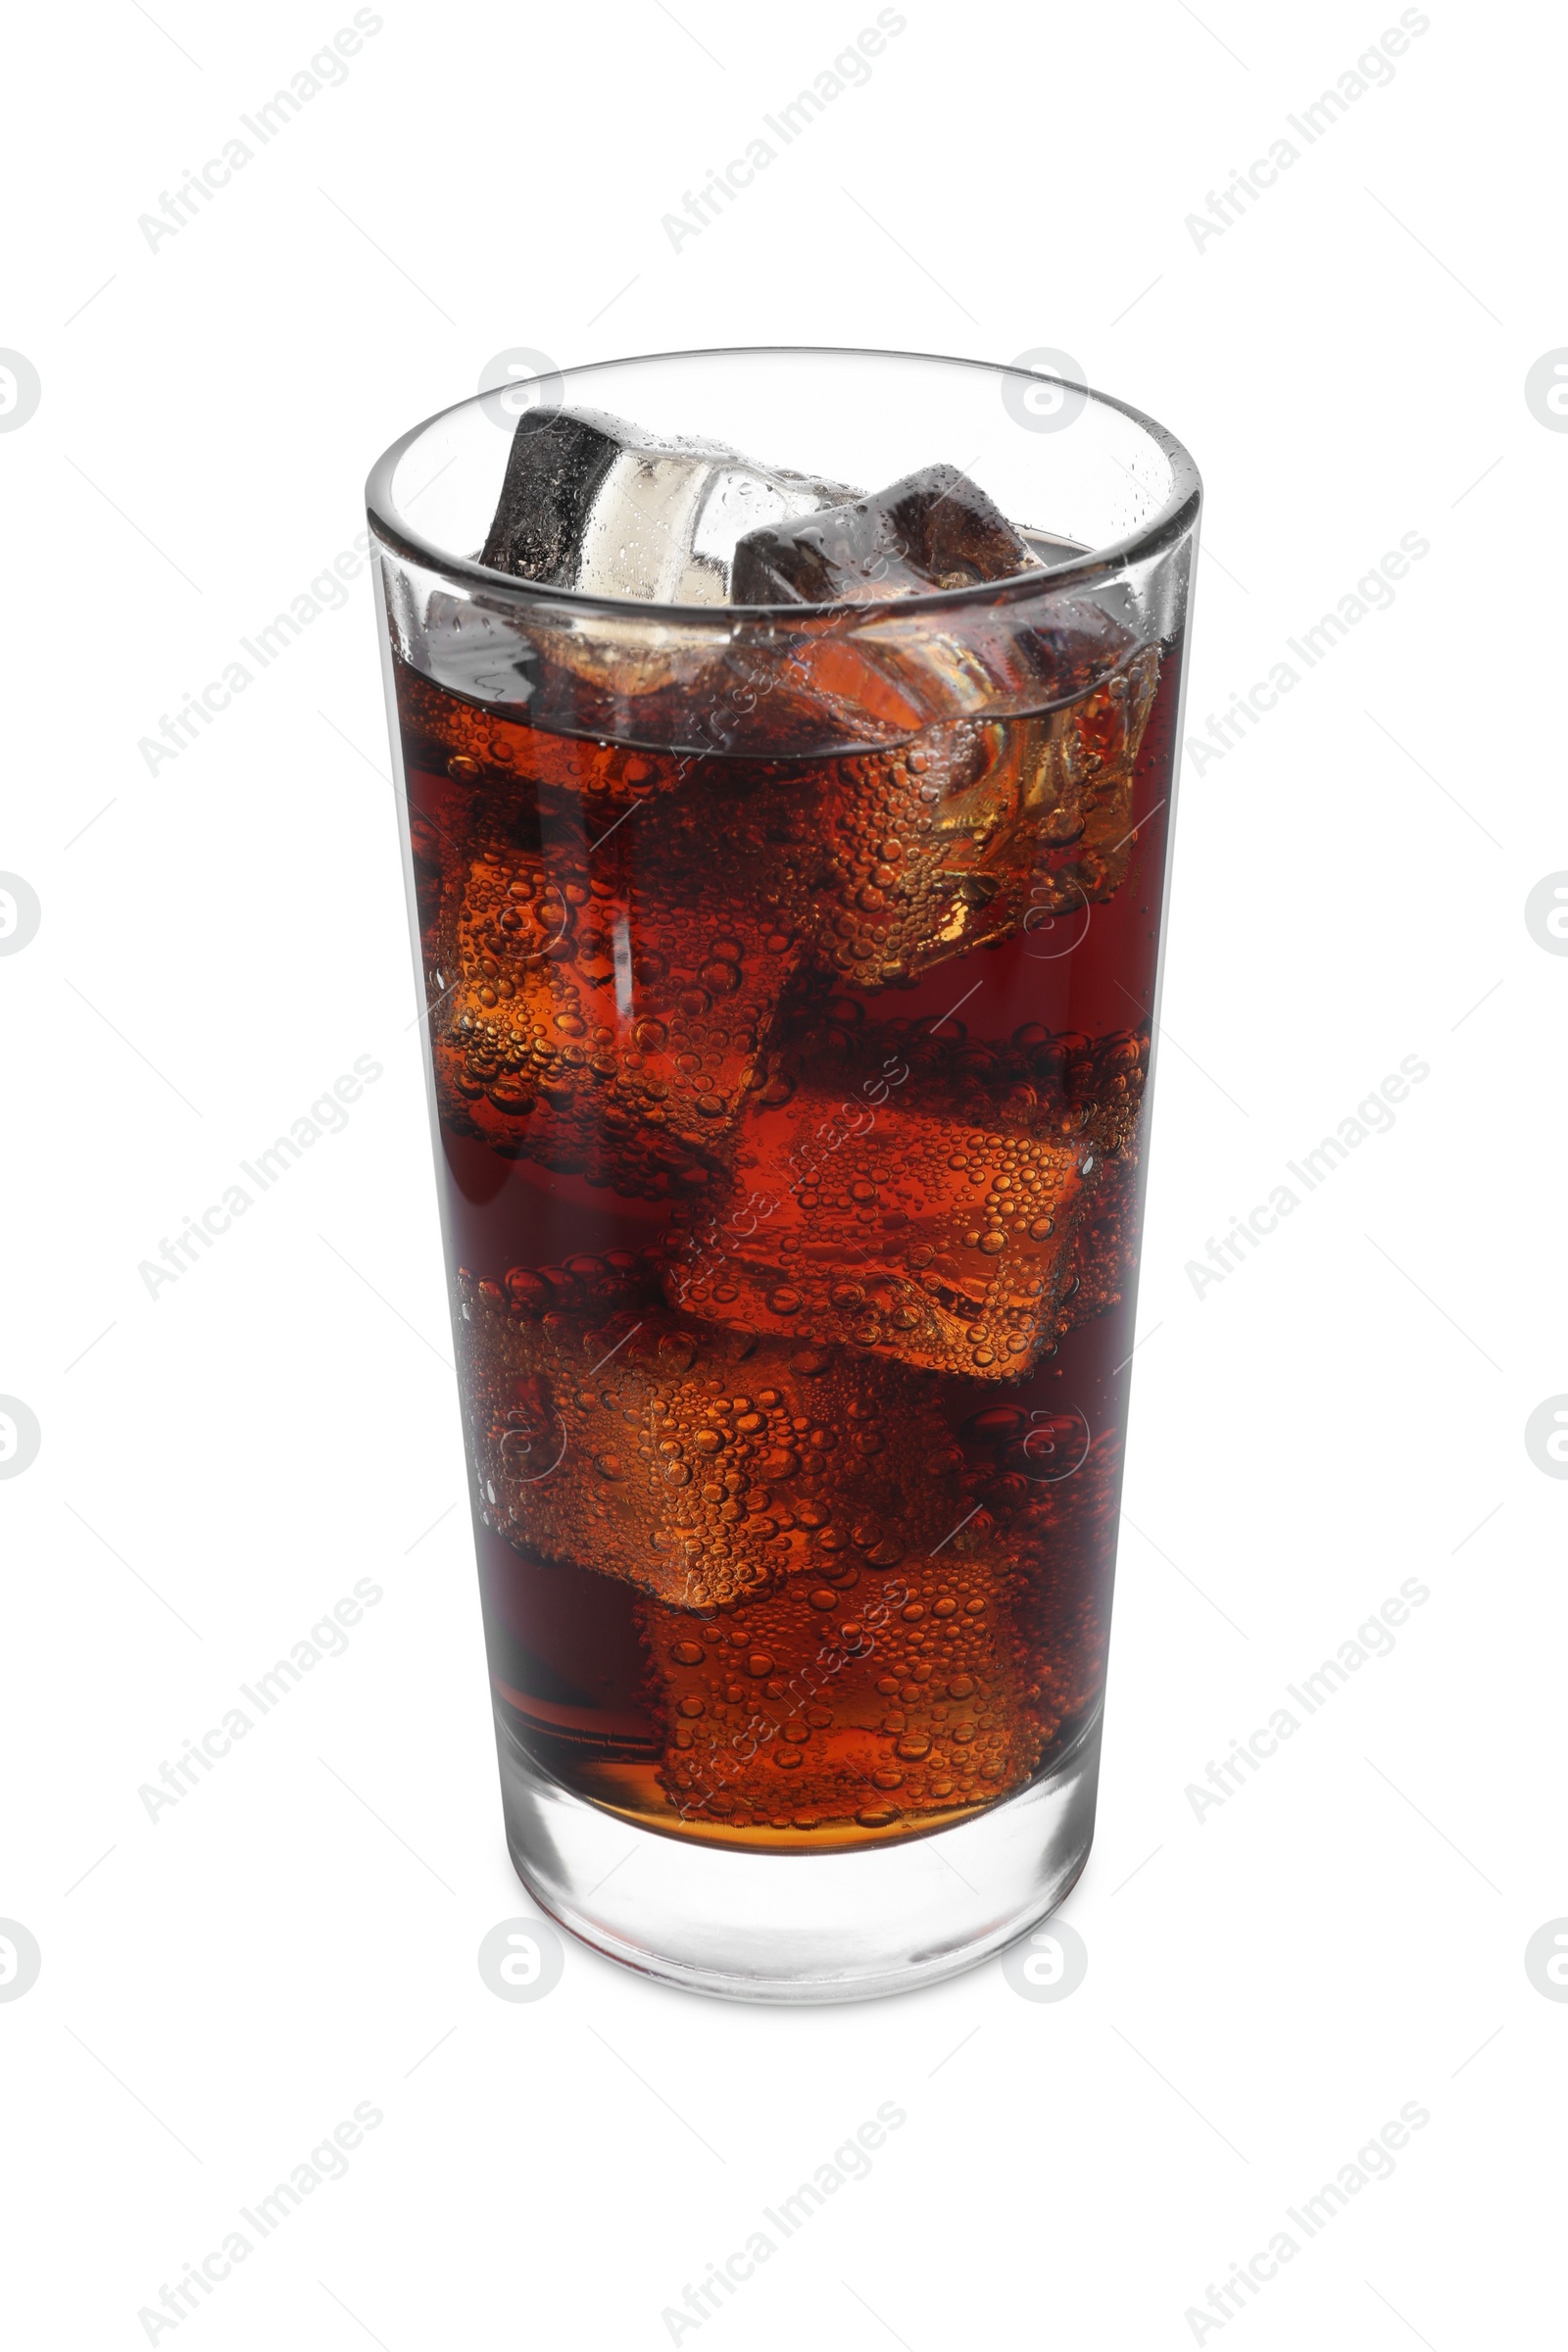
792,973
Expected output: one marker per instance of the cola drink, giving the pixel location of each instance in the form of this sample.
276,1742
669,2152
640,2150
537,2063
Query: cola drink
790,1079
787,863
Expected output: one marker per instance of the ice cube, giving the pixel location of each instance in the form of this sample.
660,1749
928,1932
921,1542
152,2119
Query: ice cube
932,529
855,1611
607,936
975,831
610,932
593,503
955,1206
924,1664
584,1402
692,1459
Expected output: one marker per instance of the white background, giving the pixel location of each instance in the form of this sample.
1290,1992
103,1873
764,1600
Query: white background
1267,1984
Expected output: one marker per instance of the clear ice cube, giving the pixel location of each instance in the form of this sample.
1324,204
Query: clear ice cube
593,503
932,529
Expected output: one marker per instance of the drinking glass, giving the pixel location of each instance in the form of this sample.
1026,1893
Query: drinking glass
791,974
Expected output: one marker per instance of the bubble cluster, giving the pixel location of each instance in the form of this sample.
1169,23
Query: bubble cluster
600,993
954,1229
900,1689
852,1609
610,933
809,686
952,843
864,1603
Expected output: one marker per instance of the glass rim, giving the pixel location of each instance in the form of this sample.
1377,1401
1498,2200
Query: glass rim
1175,515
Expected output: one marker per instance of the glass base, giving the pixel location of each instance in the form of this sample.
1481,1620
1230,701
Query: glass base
828,1926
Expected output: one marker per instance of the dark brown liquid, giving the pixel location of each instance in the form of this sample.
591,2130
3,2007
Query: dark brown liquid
790,1120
